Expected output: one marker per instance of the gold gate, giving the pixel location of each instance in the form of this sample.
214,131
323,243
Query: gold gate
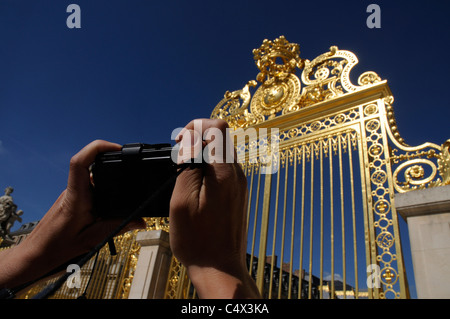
324,223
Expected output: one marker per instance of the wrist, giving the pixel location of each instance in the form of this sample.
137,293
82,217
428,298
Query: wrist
214,283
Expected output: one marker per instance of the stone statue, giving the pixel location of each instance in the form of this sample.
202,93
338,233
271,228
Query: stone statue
8,215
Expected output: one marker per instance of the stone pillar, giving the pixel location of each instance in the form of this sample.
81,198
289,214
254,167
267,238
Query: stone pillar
427,213
152,269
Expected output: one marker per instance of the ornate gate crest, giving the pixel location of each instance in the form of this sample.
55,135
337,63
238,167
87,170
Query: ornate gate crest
281,91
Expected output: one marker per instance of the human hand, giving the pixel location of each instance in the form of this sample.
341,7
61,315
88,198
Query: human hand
208,220
67,230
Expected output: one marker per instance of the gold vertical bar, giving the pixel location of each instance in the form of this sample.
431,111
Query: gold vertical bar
188,288
194,293
60,293
84,276
368,209
331,215
245,168
117,272
341,179
363,165
180,286
275,223
250,193
283,228
255,220
263,233
249,205
113,275
302,224
321,220
100,275
294,189
94,280
88,270
311,222
95,277
104,275
352,190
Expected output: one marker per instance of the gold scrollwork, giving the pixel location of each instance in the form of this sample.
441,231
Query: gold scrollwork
427,165
325,77
414,173
444,163
388,101
368,78
232,110
156,223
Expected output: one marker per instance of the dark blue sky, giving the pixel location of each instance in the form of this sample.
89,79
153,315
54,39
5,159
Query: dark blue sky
138,69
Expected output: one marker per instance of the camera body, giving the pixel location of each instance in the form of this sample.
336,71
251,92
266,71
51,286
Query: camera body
124,179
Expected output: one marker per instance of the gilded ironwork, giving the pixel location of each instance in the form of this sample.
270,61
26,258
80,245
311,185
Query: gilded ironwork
333,214
324,78
325,120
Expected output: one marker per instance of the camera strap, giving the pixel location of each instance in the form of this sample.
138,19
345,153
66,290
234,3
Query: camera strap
83,295
53,287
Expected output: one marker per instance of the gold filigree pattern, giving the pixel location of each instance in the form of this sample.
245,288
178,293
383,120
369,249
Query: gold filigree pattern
157,223
368,78
324,78
420,167
384,249
326,123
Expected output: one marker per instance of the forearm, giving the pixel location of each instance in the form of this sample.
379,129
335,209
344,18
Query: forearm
44,249
15,268
41,252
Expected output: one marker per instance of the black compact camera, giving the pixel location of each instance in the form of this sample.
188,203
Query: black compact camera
124,180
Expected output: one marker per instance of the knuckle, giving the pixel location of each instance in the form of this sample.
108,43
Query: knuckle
74,161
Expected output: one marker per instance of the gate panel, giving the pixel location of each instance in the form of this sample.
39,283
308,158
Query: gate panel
321,217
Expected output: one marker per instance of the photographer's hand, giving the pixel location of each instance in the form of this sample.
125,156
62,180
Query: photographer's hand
208,220
66,231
